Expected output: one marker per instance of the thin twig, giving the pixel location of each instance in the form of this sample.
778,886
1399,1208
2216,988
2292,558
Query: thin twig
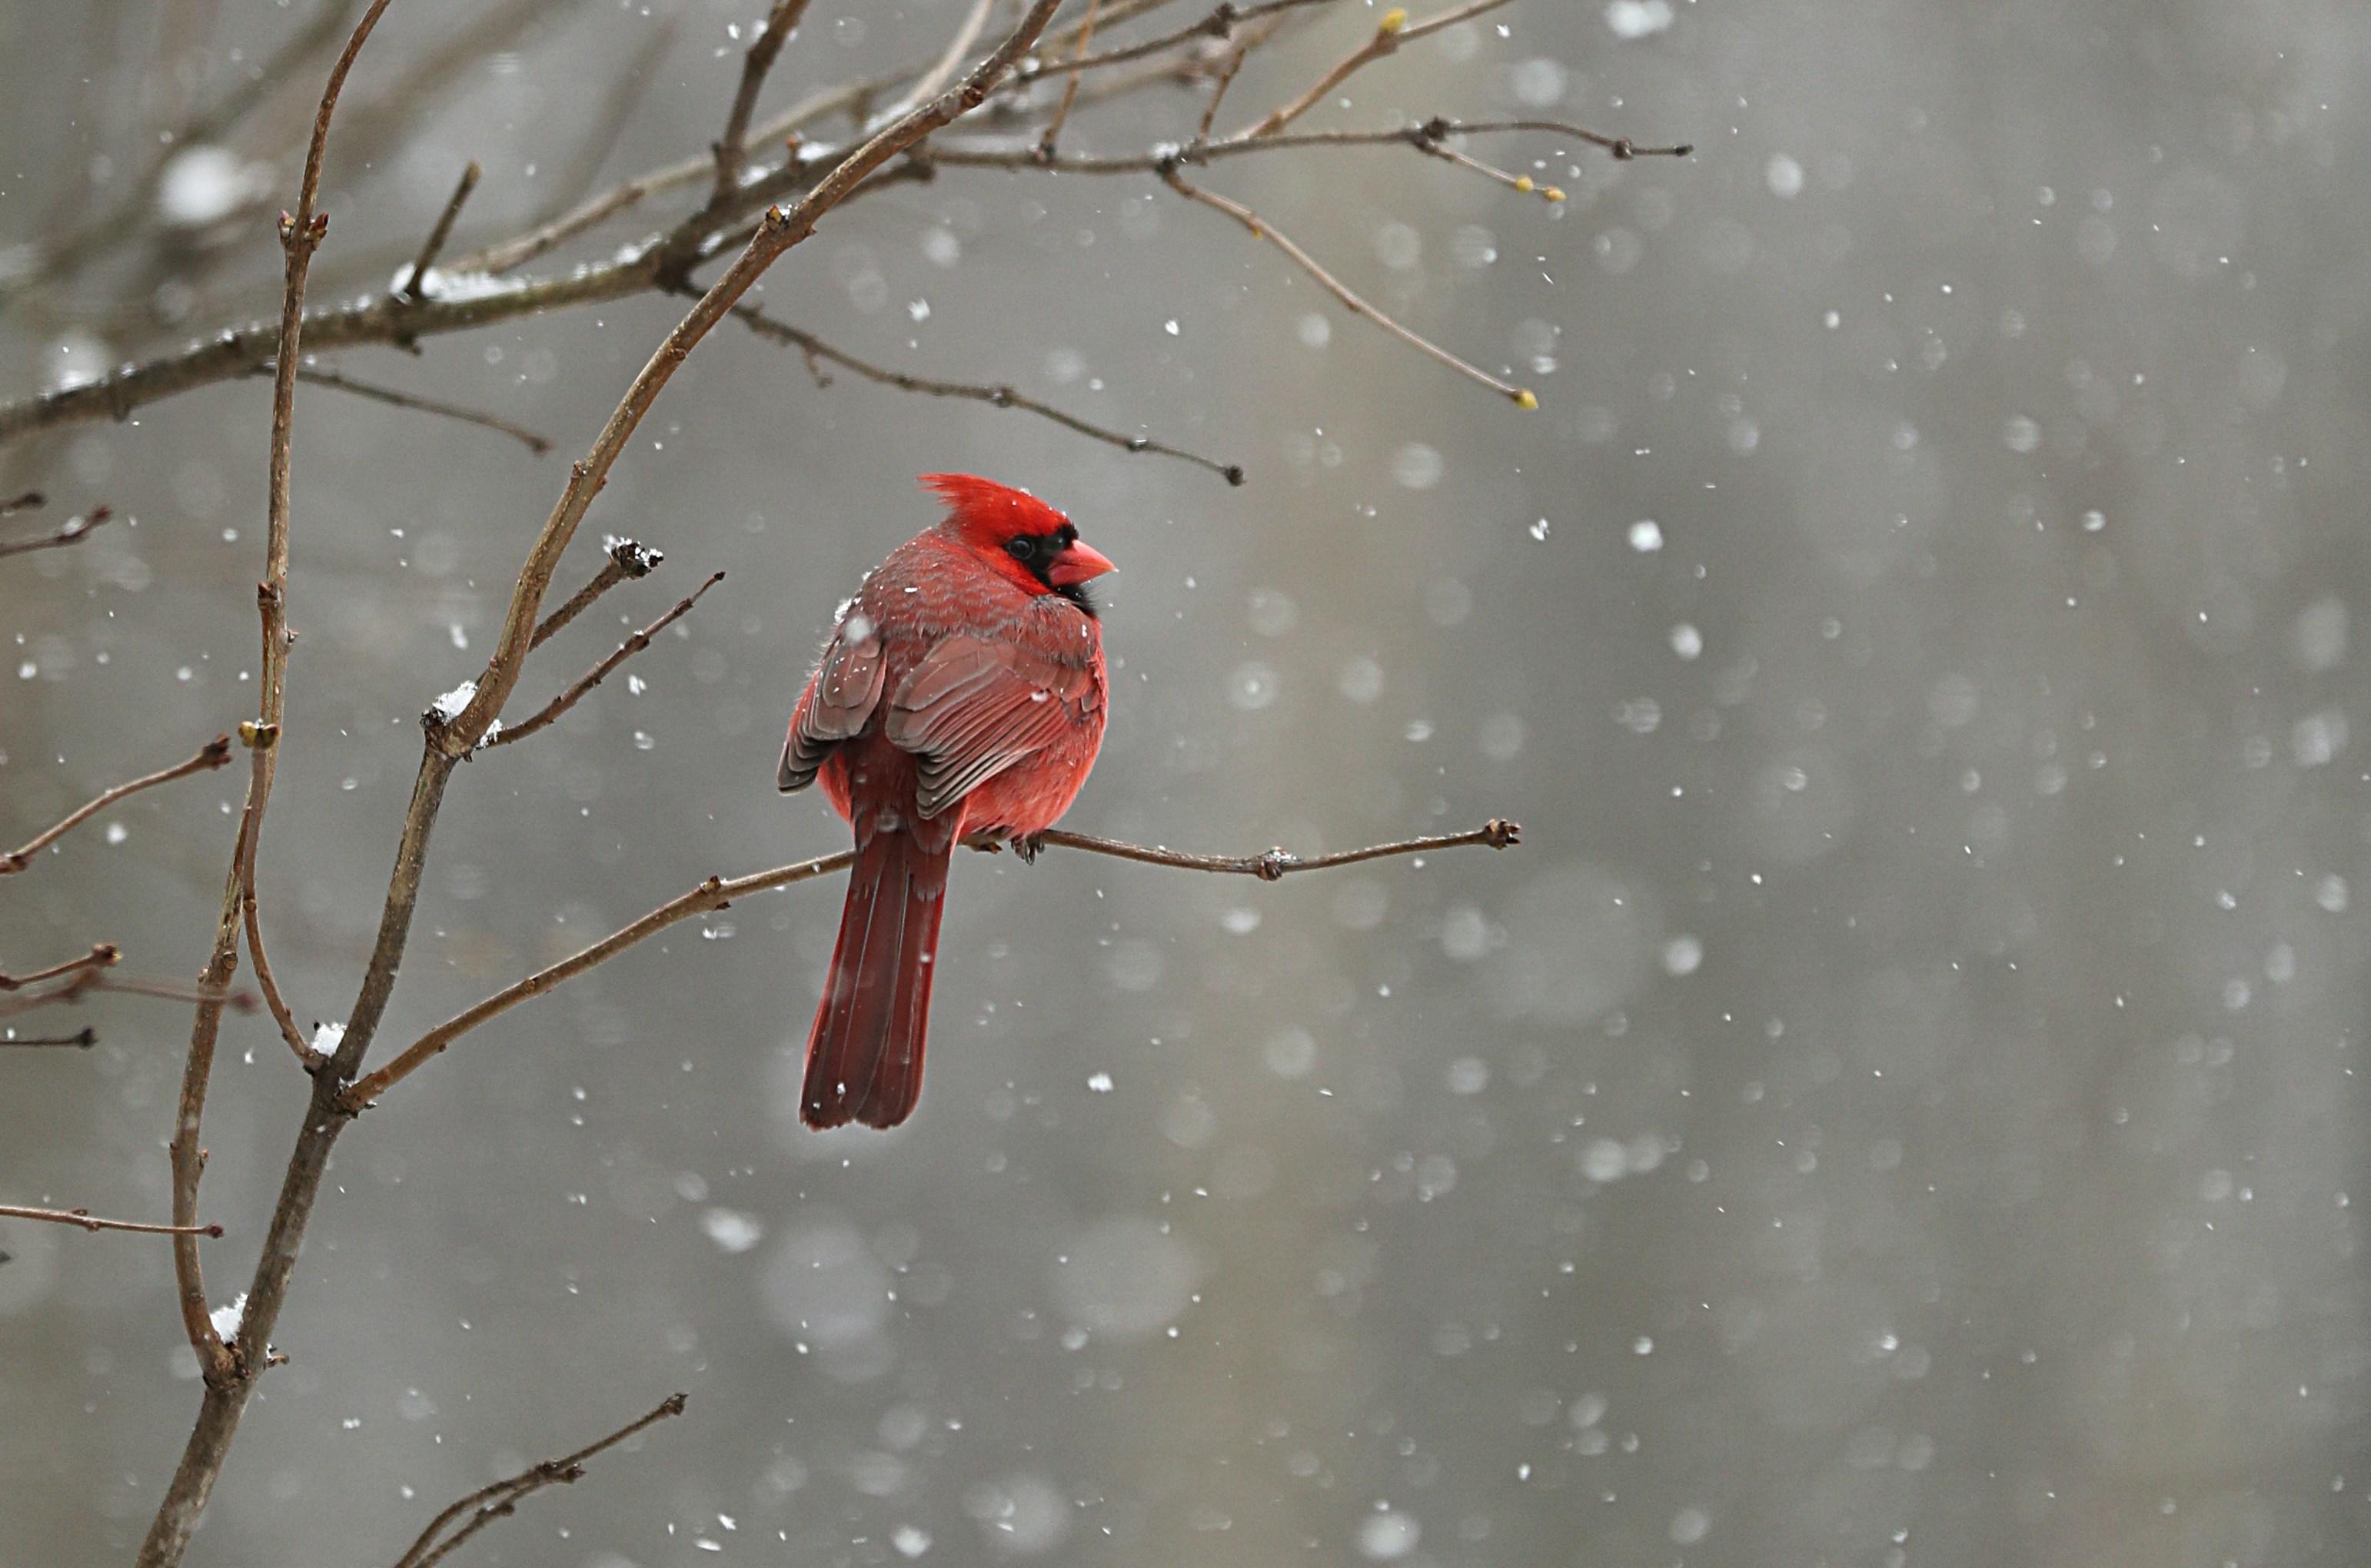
88,1221
935,79
1220,24
87,980
600,671
498,1500
414,280
717,893
1227,74
213,753
1524,183
732,148
1008,154
1522,398
628,559
997,395
261,743
73,531
25,503
338,381
227,1370
1053,132
102,955
81,1040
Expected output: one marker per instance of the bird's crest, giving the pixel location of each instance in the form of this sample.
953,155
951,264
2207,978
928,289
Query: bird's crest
992,512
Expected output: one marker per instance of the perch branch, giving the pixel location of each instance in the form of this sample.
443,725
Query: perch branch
486,1505
1261,228
213,753
628,558
73,531
717,893
88,1221
414,280
624,651
998,394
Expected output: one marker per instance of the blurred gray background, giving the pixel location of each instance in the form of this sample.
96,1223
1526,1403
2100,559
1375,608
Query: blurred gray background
1899,1106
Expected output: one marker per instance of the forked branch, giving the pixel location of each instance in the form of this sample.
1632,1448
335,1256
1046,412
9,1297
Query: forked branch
465,1519
633,645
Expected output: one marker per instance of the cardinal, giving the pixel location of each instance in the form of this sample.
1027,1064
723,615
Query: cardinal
962,692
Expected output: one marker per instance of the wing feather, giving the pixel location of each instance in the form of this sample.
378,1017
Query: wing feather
837,704
974,707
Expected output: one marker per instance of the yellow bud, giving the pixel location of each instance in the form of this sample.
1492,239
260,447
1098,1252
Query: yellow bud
1523,182
1393,20
1554,194
1526,401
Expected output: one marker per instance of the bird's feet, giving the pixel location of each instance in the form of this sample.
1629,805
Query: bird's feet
1025,845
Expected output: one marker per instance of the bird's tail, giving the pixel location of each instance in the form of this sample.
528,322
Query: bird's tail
864,1055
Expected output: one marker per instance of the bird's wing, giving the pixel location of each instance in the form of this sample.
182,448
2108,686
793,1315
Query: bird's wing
973,708
839,701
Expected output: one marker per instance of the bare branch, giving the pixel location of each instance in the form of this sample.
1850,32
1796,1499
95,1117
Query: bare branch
25,503
497,1501
600,671
213,754
996,394
1227,74
85,1219
717,893
336,382
412,284
629,558
1522,398
102,955
732,148
73,531
1053,132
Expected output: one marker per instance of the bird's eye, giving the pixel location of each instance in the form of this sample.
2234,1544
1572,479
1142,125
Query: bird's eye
1017,547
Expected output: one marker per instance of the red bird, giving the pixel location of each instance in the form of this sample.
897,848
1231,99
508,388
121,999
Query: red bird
962,692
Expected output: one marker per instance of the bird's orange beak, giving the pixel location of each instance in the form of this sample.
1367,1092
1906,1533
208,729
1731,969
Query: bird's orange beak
1077,563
